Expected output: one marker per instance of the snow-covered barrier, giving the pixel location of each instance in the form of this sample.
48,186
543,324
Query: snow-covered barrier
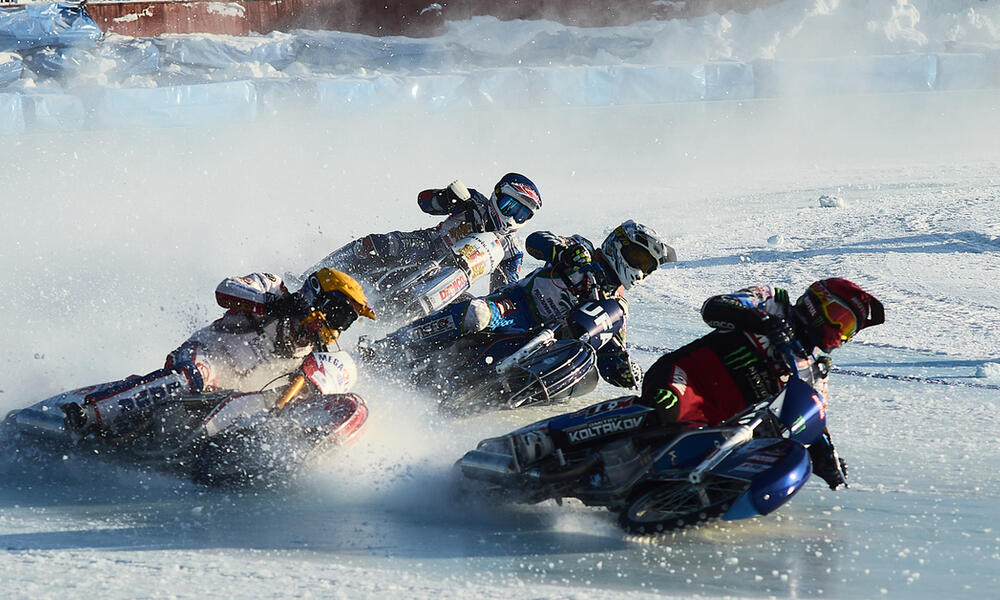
114,67
846,75
968,71
11,114
537,86
224,52
54,112
182,106
37,25
11,66
111,62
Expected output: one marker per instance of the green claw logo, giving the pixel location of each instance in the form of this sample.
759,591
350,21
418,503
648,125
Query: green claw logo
665,395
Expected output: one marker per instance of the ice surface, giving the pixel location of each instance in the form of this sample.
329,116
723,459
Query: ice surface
110,258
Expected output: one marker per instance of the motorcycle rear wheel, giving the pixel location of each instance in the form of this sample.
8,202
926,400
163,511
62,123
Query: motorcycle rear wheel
676,504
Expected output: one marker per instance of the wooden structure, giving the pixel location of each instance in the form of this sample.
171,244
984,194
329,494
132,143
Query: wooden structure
414,18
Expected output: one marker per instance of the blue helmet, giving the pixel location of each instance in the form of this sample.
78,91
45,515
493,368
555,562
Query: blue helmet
514,200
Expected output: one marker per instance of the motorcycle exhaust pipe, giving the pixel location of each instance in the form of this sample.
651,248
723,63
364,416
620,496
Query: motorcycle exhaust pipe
488,466
48,422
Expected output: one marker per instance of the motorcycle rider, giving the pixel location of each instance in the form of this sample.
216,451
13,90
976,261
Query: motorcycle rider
574,271
514,200
265,332
742,361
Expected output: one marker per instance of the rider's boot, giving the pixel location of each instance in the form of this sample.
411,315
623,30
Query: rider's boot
533,446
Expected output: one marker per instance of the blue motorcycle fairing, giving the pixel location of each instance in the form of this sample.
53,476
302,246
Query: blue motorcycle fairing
688,449
776,469
803,412
600,421
596,322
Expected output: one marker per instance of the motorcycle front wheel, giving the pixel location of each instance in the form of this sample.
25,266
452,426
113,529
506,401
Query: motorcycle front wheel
678,503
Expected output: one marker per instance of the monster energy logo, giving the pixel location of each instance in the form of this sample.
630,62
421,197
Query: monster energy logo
740,358
798,425
663,396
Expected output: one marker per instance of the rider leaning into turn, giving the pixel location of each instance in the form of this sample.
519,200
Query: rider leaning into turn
514,200
574,271
742,362
265,332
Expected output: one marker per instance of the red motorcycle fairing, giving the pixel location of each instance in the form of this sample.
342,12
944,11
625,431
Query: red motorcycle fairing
342,416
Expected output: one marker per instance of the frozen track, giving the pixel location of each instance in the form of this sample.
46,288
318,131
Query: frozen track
105,274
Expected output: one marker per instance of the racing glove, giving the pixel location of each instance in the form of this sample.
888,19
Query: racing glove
778,331
780,334
574,255
455,193
827,464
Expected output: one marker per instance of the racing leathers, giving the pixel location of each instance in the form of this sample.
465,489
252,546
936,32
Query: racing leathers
735,366
544,296
466,211
261,335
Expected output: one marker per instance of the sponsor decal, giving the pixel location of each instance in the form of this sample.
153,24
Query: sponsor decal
604,407
454,287
603,428
475,258
150,396
667,397
751,467
457,232
820,401
328,372
799,424
435,327
679,380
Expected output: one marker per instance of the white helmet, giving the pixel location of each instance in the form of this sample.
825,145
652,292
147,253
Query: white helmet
634,251
514,200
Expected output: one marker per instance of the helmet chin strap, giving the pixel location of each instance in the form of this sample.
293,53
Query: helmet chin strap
802,329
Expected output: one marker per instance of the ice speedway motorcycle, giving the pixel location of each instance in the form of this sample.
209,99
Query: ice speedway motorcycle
657,479
227,438
410,290
511,368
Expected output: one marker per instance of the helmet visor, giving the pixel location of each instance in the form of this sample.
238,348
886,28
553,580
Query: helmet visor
638,257
337,310
512,207
838,314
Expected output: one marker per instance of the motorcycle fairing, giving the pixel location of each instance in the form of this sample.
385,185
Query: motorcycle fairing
689,448
776,471
803,412
338,417
596,322
600,422
331,372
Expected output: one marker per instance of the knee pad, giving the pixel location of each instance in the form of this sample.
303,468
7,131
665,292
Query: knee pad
477,317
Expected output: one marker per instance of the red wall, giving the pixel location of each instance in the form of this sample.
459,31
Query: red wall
385,17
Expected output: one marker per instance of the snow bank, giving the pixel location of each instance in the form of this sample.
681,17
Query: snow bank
794,48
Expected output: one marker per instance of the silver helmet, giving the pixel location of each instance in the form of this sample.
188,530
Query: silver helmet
634,251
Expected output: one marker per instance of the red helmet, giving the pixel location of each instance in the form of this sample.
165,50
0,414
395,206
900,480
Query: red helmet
835,309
